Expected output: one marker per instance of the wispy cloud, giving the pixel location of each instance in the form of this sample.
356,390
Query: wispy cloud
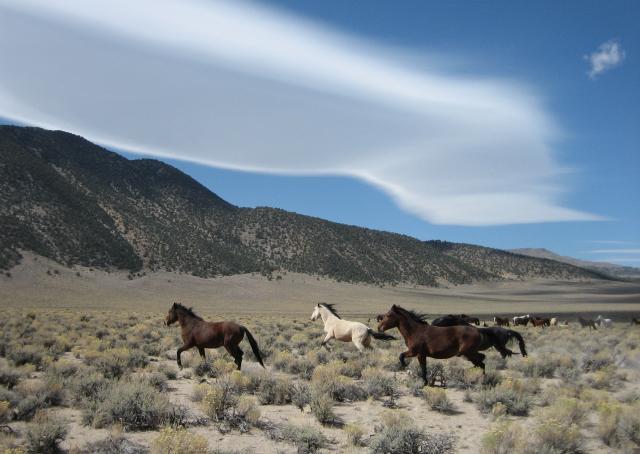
243,86
610,242
607,56
617,251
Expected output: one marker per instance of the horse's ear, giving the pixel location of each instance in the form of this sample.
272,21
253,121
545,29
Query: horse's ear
175,304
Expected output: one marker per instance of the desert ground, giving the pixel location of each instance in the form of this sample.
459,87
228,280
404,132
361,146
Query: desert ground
86,365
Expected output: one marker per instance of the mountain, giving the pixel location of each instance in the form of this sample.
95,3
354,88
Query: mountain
67,199
619,271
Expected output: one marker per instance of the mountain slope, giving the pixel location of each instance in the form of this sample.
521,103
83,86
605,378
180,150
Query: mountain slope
601,267
77,203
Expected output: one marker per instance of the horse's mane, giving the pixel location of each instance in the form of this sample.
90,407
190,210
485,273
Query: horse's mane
331,309
188,310
413,315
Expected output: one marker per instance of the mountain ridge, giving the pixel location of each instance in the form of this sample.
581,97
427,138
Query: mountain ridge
70,200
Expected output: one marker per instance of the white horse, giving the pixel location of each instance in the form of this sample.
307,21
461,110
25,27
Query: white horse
553,322
604,322
343,330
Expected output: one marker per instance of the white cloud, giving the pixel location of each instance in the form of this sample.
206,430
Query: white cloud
241,86
607,56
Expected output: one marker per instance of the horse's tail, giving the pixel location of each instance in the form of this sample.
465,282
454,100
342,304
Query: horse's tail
516,335
380,336
254,346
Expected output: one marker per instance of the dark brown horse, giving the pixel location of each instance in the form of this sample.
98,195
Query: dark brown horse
453,320
587,322
201,334
542,322
635,321
424,340
501,321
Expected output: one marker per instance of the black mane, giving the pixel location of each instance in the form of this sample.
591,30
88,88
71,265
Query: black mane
188,310
413,315
331,309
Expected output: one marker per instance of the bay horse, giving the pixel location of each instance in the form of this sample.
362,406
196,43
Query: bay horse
201,334
535,321
587,322
343,330
424,340
501,321
635,321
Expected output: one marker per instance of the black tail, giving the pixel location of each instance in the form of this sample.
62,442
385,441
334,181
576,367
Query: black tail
380,336
254,346
499,337
520,340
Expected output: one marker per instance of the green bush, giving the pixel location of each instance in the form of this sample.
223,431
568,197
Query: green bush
45,434
306,438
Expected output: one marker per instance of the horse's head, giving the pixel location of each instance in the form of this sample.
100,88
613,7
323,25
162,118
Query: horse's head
172,315
389,320
316,312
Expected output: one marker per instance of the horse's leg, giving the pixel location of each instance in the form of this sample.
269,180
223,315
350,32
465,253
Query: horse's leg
477,359
203,357
423,368
327,338
403,355
359,344
236,352
180,350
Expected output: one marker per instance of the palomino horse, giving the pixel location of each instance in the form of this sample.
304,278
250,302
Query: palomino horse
424,340
501,321
201,334
587,322
343,330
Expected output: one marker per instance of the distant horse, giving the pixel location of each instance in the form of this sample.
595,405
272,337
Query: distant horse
501,321
604,322
522,320
587,322
453,320
202,334
424,340
343,330
553,322
635,321
535,321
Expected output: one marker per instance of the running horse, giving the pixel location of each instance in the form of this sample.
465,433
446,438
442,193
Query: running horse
587,322
343,330
201,334
424,340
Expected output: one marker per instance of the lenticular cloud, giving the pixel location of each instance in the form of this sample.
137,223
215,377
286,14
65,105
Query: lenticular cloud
245,87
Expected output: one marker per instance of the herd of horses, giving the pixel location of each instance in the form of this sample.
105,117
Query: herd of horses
445,337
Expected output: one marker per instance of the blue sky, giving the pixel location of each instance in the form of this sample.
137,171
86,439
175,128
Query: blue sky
572,141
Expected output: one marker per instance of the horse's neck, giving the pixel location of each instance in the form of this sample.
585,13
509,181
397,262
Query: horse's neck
186,320
327,316
406,326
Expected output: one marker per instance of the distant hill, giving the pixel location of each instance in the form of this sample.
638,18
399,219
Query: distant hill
619,271
67,199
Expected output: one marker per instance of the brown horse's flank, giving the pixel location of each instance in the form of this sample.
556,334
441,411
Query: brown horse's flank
201,334
423,340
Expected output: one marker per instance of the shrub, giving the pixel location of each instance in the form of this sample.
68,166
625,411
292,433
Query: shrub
567,411
597,362
552,435
512,394
158,381
137,406
115,443
218,399
410,440
437,400
377,385
170,372
504,438
306,438
322,408
199,391
602,379
355,433
275,391
26,355
9,377
88,387
179,441
5,411
28,407
45,434
300,395
619,426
